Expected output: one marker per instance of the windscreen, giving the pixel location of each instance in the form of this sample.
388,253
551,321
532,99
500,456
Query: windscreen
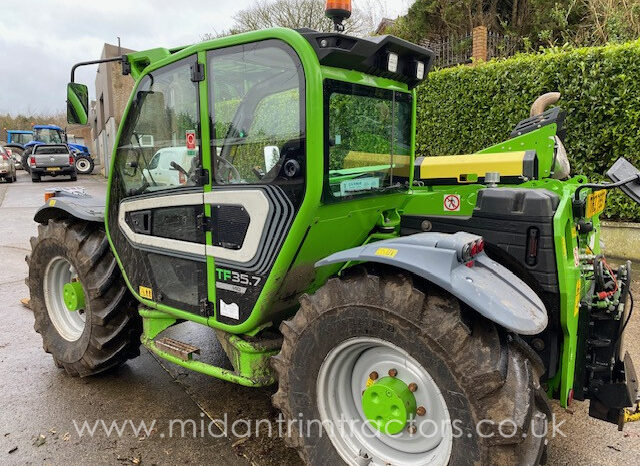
48,135
368,140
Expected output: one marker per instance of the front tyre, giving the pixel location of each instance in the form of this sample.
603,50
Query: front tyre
397,373
85,314
84,165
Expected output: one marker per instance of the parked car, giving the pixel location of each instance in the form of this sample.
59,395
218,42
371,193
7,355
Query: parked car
7,166
15,157
163,169
52,160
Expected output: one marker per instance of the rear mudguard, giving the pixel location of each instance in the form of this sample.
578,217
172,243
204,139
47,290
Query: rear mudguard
486,286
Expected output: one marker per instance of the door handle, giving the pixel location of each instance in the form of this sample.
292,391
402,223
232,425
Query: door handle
141,221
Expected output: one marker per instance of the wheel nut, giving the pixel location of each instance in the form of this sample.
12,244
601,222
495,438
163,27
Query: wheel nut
393,372
412,429
413,387
421,411
373,375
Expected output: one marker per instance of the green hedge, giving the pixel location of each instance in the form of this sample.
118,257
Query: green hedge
464,109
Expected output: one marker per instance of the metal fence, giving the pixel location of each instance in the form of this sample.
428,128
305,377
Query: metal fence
501,46
458,50
452,50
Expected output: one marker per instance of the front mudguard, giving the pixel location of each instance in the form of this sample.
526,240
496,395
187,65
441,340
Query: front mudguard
486,286
72,203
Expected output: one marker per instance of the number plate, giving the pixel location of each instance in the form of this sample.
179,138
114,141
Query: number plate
53,169
595,203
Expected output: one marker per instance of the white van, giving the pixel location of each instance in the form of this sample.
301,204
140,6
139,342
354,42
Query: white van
161,172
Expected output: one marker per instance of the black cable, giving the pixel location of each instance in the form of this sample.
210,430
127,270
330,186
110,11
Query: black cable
624,326
617,184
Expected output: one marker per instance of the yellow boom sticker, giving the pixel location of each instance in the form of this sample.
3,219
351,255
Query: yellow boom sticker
145,292
387,252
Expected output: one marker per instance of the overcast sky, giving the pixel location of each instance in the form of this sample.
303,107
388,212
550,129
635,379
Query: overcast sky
41,39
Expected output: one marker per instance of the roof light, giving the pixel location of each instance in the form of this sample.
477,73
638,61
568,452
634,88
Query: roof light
392,63
420,70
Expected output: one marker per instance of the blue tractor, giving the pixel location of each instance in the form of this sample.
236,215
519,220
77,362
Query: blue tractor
16,140
52,134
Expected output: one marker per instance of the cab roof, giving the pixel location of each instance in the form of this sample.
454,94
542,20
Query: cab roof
368,55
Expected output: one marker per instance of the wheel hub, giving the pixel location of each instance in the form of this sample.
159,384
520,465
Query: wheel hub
63,293
73,294
389,405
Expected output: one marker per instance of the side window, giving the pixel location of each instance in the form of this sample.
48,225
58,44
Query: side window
257,102
153,152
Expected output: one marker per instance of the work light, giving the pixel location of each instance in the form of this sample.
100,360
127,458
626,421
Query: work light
392,63
420,70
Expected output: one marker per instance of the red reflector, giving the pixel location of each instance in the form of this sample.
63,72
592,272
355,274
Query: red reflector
469,264
533,235
480,245
71,160
474,249
32,161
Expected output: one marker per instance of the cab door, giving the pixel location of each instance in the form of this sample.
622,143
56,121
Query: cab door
258,145
156,204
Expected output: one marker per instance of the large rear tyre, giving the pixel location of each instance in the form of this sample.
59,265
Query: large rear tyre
98,328
84,165
25,159
370,334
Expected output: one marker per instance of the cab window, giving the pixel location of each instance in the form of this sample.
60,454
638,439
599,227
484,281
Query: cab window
367,140
256,96
153,154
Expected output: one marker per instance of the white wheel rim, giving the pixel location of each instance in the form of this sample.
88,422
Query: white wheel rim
342,378
70,325
82,165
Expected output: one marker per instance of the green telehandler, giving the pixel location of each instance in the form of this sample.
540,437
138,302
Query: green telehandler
420,310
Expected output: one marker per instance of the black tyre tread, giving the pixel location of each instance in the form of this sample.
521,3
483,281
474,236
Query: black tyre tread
499,378
91,165
115,324
24,159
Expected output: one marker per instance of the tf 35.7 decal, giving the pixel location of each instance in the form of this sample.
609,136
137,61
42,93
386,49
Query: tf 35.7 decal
237,282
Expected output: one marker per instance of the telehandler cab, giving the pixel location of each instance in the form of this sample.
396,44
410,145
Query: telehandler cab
434,304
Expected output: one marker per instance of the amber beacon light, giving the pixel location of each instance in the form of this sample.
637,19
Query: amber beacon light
338,11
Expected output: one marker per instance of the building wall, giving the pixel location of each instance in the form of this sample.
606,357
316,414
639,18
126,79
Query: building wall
112,94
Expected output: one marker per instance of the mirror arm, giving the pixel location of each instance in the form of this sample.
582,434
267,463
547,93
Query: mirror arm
122,59
617,184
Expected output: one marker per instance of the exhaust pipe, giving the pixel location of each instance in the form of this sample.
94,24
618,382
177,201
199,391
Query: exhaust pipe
542,102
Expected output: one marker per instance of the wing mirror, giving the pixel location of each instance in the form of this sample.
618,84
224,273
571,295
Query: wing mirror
271,157
77,104
623,170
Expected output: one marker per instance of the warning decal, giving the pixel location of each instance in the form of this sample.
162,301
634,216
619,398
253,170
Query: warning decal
191,139
451,202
